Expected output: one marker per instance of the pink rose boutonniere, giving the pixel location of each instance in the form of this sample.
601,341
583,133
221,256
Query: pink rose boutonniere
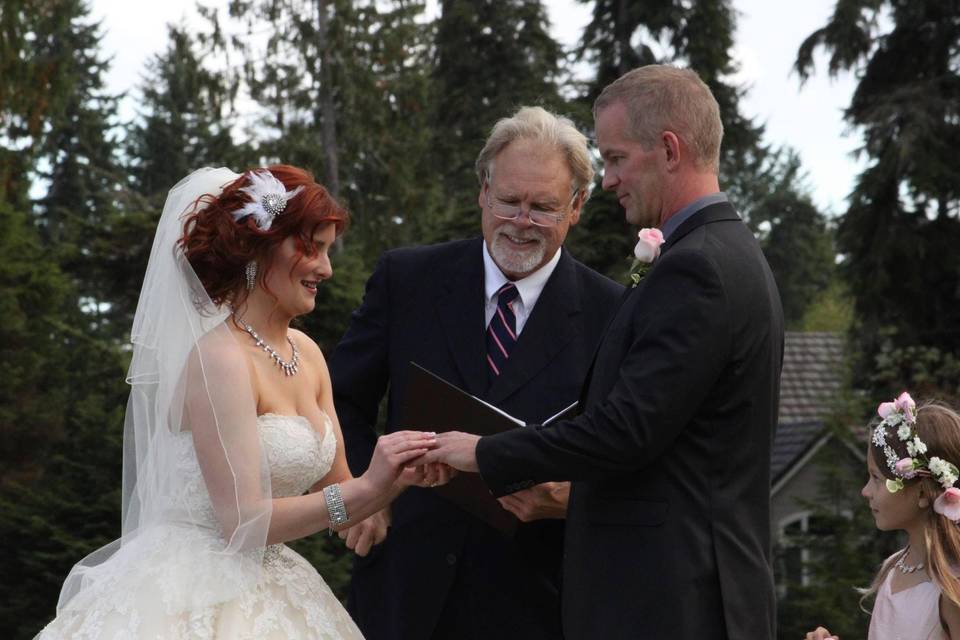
645,252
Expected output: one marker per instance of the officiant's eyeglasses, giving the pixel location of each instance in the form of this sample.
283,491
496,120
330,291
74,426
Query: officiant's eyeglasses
539,217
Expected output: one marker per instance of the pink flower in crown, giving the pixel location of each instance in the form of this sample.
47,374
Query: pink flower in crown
905,404
648,245
885,409
904,468
948,504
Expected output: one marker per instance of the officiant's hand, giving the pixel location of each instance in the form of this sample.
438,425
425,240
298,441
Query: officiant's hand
539,502
821,634
362,536
459,450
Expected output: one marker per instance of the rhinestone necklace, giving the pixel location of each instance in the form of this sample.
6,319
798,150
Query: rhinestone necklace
288,368
903,566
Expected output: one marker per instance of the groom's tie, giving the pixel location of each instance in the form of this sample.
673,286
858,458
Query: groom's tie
502,331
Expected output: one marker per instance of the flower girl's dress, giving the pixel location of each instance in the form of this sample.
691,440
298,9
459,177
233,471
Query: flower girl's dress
913,613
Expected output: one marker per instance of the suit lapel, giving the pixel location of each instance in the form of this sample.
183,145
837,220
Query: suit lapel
459,307
713,213
603,338
547,331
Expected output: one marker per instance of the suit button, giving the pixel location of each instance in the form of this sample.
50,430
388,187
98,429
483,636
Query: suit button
451,559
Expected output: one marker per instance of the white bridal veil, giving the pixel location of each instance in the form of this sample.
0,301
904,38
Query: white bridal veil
191,403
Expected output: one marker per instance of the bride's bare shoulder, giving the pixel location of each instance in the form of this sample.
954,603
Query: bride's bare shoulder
219,351
309,350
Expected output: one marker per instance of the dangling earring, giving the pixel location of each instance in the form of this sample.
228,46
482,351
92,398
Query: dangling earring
250,271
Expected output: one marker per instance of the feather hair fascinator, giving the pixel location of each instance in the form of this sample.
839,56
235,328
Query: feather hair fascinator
268,197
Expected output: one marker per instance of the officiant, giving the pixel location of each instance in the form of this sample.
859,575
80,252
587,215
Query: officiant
512,318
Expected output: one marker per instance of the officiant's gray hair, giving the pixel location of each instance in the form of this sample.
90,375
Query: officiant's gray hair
539,125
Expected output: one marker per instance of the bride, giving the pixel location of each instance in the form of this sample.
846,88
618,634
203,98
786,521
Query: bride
231,442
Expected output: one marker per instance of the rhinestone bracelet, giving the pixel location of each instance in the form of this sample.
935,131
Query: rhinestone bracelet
335,507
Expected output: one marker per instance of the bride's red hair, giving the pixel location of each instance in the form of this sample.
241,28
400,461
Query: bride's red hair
219,248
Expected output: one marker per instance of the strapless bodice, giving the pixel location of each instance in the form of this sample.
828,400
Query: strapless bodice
297,455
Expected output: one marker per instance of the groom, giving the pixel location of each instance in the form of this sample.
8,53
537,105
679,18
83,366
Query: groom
668,522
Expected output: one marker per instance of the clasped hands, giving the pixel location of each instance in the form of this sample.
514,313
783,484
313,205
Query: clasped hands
413,458
394,467
458,450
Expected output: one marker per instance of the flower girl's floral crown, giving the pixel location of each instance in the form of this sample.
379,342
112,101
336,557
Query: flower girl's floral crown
901,417
268,199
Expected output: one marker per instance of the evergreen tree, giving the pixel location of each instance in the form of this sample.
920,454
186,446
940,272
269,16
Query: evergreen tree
33,292
799,246
185,119
624,35
61,413
371,62
38,79
900,232
184,122
491,57
77,160
63,391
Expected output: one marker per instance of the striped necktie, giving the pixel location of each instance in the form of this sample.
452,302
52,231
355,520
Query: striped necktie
502,330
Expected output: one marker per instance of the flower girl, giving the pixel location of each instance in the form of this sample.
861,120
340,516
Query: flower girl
912,461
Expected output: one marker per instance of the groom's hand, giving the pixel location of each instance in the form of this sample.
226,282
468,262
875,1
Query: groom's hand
362,536
459,450
539,502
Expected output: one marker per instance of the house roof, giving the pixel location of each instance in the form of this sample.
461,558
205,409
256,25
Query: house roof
812,375
791,442
810,382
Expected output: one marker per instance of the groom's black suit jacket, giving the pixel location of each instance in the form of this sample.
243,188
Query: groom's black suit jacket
426,304
668,532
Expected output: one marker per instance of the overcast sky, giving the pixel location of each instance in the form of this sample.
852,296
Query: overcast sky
808,119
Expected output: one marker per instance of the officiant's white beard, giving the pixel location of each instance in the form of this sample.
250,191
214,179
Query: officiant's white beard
512,261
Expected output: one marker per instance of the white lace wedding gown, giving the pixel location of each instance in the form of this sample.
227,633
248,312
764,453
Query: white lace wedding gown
154,586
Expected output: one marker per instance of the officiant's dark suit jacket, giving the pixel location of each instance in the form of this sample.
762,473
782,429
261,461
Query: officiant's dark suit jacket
439,565
668,523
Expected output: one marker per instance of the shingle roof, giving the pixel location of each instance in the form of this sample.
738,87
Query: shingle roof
811,375
811,379
791,442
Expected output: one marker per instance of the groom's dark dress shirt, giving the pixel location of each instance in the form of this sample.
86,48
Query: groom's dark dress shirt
668,531
441,573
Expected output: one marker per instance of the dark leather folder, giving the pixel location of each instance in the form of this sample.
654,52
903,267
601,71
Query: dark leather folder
433,404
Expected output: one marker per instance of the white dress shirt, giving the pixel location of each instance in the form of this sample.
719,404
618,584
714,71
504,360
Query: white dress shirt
529,288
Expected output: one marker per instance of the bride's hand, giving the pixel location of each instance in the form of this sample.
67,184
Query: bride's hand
432,474
393,452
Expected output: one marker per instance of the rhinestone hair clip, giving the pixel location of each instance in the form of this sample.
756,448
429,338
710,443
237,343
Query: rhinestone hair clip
268,198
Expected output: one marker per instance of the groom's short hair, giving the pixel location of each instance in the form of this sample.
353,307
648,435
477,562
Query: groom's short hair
539,125
659,98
